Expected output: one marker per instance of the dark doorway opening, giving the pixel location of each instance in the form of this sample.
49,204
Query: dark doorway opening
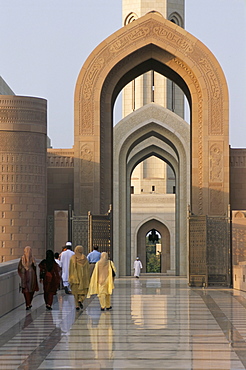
153,252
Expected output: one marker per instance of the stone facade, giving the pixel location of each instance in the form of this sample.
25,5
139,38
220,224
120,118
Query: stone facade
237,178
23,126
60,173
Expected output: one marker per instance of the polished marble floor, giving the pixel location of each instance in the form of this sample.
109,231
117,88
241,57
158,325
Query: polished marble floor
155,323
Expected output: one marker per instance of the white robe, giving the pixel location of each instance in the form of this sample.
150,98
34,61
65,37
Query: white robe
137,267
65,260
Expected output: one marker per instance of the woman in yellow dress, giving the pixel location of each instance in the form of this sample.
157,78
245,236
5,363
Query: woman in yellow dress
102,281
79,276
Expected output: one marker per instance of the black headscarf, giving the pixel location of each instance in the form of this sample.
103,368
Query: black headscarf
49,259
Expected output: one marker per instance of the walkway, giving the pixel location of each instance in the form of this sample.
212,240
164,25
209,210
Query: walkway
156,323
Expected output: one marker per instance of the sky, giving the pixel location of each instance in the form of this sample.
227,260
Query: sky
45,43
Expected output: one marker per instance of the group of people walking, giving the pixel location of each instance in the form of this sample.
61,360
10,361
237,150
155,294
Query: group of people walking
82,276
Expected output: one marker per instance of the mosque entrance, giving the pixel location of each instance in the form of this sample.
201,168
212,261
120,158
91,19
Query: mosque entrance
154,247
153,251
153,195
102,167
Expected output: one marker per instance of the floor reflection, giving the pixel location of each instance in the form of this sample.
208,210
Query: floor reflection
101,333
155,323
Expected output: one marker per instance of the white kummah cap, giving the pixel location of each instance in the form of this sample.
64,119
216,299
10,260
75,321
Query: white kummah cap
137,258
69,244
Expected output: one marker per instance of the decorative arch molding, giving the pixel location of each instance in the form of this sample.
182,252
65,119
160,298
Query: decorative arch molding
151,130
162,228
176,18
157,219
151,42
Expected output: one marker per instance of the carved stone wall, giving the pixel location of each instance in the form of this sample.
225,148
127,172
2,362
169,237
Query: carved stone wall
60,178
237,179
23,140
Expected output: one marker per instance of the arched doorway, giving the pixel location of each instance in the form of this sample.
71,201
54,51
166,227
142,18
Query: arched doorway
151,130
153,251
153,43
162,262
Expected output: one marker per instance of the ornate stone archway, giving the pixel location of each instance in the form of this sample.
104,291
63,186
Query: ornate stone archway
165,248
152,42
151,129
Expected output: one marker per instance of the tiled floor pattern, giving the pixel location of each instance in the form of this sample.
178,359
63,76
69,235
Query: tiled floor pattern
156,323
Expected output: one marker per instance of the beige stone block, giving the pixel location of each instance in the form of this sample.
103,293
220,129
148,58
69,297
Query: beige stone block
19,222
19,236
32,237
5,222
19,207
28,199
27,230
11,229
12,199
27,215
34,222
33,207
6,252
11,244
5,207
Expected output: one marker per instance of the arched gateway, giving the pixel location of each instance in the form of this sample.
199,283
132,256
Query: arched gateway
154,43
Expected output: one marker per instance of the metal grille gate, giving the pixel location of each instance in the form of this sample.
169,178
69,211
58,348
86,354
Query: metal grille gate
92,230
209,253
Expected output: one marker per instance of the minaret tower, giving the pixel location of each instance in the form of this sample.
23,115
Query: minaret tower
153,87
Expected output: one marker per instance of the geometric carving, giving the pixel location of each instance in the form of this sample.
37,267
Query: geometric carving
80,231
216,163
23,173
60,158
240,214
22,142
101,232
197,255
209,251
218,236
98,226
87,163
22,170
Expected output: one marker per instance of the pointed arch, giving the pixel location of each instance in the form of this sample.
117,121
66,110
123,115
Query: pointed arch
151,42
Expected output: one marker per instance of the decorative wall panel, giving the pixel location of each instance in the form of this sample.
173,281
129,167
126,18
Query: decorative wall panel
80,232
218,252
198,274
209,251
